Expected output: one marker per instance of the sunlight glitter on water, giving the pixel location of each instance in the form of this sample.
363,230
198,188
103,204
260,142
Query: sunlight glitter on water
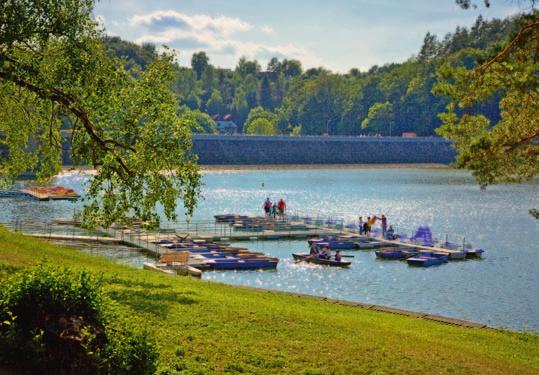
499,290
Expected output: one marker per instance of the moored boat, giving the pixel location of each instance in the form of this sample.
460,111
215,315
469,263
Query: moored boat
474,253
395,253
239,264
457,255
424,261
385,253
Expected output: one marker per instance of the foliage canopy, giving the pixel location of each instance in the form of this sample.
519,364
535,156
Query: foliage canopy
55,70
56,320
506,149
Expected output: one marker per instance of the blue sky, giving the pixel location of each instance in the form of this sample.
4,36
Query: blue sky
336,34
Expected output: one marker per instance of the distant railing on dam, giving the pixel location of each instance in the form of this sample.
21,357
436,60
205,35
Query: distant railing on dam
244,149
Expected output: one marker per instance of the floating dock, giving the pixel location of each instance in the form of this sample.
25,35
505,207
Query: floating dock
54,193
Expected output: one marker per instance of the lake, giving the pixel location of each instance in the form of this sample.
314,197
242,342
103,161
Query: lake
499,290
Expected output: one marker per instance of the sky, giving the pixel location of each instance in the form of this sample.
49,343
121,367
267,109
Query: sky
336,34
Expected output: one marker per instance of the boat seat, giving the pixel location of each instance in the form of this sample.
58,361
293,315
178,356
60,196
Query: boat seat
179,257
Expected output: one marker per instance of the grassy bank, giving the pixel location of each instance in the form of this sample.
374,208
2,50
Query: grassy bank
207,327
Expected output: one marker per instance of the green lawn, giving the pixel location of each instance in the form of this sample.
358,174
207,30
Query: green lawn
204,327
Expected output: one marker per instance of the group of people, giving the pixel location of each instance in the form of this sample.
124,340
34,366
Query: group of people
365,226
325,253
274,209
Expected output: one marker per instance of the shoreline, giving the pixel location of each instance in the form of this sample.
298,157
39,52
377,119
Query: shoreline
374,307
249,167
269,167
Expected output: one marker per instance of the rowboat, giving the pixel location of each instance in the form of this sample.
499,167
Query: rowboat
395,253
313,259
239,264
424,261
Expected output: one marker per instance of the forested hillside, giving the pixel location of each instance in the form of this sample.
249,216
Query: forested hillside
284,98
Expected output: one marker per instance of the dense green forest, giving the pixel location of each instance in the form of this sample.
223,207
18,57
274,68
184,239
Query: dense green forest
284,98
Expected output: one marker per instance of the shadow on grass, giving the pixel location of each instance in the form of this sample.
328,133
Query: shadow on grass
144,301
136,283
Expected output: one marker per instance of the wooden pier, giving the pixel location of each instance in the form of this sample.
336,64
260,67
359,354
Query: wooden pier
144,239
421,247
49,195
71,237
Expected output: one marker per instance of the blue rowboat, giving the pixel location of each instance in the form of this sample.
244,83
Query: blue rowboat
389,253
424,261
217,256
443,256
326,262
240,264
395,253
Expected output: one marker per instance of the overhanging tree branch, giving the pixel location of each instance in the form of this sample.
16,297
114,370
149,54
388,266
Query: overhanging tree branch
508,48
69,102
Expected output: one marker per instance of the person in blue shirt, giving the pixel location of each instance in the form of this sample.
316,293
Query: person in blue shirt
338,256
324,254
390,233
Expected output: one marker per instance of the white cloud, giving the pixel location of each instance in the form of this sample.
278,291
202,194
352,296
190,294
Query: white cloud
267,29
170,19
214,35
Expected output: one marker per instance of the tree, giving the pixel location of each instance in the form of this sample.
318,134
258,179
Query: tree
199,63
429,48
240,107
259,113
53,65
200,122
215,106
380,118
246,67
506,150
274,65
192,101
265,94
321,104
261,126
291,68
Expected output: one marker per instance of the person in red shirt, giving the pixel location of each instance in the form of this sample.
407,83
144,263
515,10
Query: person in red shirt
281,206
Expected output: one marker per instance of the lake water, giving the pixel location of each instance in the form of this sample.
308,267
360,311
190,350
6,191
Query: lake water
499,290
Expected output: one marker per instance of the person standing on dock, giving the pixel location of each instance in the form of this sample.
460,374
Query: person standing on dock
367,227
383,219
360,225
267,206
274,210
282,207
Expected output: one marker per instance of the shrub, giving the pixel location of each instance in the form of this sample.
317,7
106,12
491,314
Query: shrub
59,321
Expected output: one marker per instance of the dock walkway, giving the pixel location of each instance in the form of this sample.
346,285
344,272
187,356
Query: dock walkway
70,237
145,239
421,247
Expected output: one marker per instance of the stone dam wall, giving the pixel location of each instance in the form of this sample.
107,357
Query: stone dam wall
242,149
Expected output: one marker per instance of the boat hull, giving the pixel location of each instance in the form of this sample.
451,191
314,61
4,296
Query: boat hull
240,264
324,262
424,261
